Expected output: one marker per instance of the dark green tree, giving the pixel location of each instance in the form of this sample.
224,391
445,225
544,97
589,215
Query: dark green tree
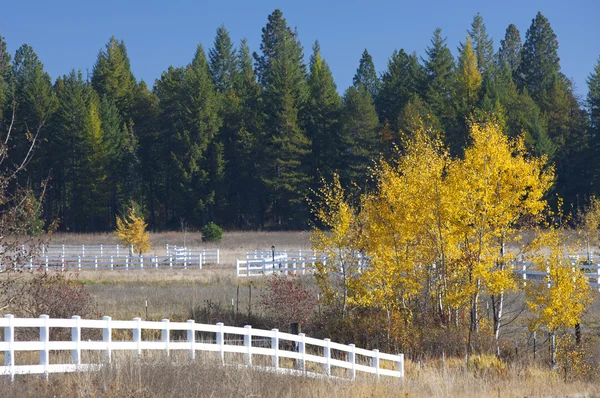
403,79
282,73
509,53
593,106
439,87
540,64
322,118
4,70
223,61
112,76
359,136
366,75
483,45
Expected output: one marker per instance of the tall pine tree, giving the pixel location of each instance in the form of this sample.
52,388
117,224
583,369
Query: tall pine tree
366,76
509,53
282,73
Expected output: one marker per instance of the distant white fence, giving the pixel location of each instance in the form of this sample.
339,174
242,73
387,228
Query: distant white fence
528,272
117,257
267,262
301,349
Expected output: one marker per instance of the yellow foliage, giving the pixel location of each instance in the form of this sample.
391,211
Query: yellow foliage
559,303
131,231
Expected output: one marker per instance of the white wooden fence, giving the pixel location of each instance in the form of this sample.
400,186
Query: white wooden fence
301,349
113,263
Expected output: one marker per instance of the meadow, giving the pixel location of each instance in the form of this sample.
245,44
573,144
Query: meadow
215,294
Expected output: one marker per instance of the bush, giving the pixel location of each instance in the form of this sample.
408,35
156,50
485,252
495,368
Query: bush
211,232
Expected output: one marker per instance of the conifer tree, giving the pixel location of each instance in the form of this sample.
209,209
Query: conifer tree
539,66
366,75
402,80
223,61
112,76
360,141
482,45
282,74
509,52
439,88
4,70
593,105
322,117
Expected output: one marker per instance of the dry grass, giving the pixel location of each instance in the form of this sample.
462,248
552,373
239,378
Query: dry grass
156,376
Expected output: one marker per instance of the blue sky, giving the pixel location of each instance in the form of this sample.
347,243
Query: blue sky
68,34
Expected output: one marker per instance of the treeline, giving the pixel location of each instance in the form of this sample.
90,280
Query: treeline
240,137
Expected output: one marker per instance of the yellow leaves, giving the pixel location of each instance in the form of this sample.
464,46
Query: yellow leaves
434,224
131,231
559,303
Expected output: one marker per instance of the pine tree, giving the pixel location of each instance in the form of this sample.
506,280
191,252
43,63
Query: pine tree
322,117
282,73
539,66
4,70
593,105
223,61
439,88
482,45
112,76
360,140
366,76
509,52
144,114
402,80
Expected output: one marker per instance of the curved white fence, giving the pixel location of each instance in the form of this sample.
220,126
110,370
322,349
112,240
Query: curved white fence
227,339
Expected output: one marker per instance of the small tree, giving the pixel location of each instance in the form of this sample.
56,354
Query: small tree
288,299
589,224
558,304
131,230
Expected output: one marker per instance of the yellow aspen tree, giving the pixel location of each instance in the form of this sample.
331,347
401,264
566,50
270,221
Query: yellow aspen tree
500,185
131,231
558,302
337,241
589,225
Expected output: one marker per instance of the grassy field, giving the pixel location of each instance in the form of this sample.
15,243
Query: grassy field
177,294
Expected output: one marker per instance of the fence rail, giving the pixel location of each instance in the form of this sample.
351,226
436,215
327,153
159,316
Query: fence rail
302,349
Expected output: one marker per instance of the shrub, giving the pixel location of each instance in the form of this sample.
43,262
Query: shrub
211,232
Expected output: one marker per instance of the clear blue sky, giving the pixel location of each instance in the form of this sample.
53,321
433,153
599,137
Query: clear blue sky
68,34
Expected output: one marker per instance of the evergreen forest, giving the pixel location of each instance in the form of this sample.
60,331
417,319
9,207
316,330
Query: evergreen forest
243,137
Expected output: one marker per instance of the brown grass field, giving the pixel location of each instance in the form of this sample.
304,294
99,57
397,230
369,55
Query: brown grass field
174,294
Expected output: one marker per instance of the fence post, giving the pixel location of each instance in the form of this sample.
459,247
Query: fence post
78,263
45,338
30,263
96,263
275,348
200,260
218,257
142,262
400,365
171,262
302,351
597,273
185,259
46,263
117,250
107,338
248,345
101,251
126,263
191,337
165,335
352,356
221,342
137,336
9,337
76,338
111,263
62,262
83,250
327,354
167,250
63,250
156,261
376,361
247,268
